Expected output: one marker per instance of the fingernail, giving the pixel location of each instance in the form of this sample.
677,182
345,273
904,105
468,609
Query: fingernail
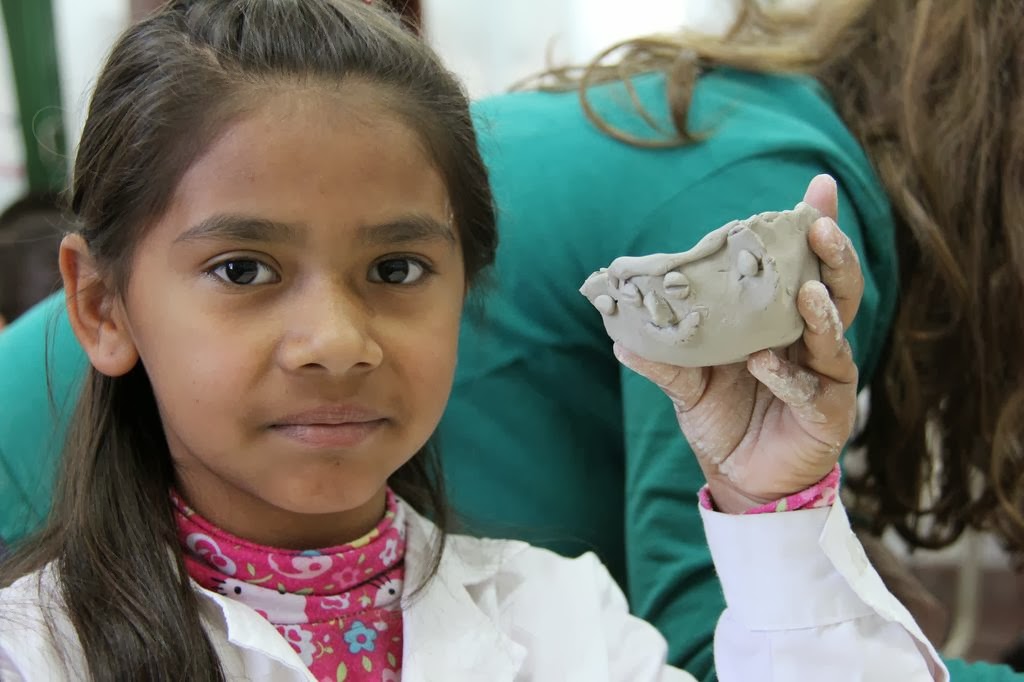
825,177
772,363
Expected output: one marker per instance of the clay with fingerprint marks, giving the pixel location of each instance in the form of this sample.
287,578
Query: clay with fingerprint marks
732,294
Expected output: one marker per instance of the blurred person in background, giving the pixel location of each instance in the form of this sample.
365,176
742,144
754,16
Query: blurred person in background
30,233
915,107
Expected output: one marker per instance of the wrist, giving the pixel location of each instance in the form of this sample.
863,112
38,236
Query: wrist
724,497
729,500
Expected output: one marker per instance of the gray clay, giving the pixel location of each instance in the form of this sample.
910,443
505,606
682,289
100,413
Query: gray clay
731,295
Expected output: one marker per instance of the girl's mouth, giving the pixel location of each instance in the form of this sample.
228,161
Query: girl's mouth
331,426
343,435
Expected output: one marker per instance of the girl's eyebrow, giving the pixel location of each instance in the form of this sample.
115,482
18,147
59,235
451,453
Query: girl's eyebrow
233,227
410,228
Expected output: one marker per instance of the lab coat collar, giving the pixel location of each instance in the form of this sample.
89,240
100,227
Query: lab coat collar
253,636
453,622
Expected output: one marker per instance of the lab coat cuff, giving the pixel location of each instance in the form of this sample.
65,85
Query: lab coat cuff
793,570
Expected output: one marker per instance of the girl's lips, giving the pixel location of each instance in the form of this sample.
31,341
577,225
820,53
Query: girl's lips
331,435
330,415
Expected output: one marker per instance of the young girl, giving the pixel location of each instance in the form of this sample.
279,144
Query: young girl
281,209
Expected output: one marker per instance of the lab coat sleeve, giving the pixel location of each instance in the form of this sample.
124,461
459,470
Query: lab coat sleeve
636,650
804,603
9,672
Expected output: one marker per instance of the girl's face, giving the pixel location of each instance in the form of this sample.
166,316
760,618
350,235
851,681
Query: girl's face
297,312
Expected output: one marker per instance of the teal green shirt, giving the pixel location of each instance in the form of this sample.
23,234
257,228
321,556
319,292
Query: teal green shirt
41,365
546,437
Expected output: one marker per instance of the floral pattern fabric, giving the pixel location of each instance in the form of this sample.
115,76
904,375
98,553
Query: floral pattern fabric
339,607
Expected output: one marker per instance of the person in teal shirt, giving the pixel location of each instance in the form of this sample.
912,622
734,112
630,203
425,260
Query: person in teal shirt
597,462
594,464
546,436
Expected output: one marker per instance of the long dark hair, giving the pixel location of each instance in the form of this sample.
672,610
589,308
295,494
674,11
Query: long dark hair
170,86
934,92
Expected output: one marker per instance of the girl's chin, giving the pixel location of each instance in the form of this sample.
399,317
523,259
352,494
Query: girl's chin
323,495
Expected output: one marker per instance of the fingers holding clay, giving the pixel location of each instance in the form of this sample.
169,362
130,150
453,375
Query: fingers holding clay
827,350
840,267
788,381
684,385
762,423
819,381
825,409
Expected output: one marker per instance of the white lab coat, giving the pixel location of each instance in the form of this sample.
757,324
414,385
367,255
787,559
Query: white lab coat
803,605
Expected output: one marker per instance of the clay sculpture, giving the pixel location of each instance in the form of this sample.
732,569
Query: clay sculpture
731,295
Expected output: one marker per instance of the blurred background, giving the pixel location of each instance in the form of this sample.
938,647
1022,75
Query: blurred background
50,51
58,45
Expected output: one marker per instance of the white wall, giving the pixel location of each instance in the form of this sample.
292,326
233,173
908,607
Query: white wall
85,30
489,44
492,45
12,151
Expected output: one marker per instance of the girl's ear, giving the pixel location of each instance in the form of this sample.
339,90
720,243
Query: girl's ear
95,311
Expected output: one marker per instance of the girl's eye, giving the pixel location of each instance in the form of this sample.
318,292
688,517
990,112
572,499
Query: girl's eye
245,272
398,271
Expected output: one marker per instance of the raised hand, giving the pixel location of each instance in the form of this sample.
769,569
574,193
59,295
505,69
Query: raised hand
776,424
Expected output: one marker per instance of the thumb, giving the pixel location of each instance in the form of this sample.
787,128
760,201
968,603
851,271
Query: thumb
823,195
684,385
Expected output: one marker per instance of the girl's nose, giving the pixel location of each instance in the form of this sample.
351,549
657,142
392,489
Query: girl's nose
330,333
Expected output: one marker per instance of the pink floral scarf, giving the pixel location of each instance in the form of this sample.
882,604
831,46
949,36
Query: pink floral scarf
338,607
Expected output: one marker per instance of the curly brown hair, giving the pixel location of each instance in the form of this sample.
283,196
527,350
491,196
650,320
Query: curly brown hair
934,92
